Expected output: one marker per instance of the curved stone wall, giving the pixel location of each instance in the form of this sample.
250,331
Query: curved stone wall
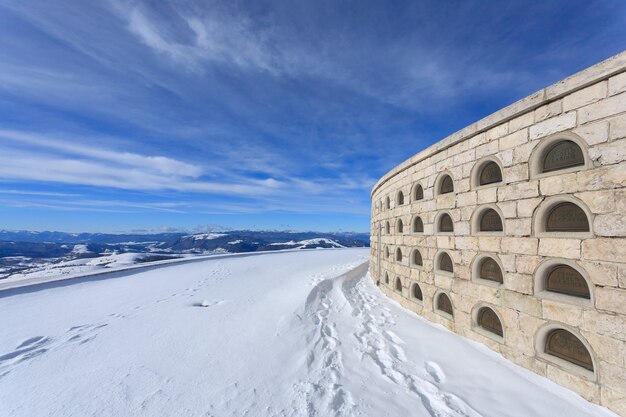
512,232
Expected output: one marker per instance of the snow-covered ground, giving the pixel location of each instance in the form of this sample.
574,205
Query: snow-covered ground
280,334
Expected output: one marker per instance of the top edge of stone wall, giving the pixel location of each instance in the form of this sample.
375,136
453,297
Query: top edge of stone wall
598,72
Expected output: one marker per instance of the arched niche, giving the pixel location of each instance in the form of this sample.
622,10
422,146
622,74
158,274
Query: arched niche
416,258
563,346
387,252
444,184
488,320
566,217
564,280
418,225
400,226
399,255
443,304
487,219
386,278
400,198
388,203
486,172
416,292
488,269
563,216
418,192
490,221
398,285
444,263
560,153
445,223
387,228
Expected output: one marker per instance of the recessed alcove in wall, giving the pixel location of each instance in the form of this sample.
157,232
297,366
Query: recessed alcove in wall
559,154
487,220
563,346
416,292
487,172
487,321
444,224
386,278
388,203
387,228
487,270
444,184
398,285
398,255
386,252
443,305
565,281
399,199
444,264
417,225
399,226
416,258
563,216
417,193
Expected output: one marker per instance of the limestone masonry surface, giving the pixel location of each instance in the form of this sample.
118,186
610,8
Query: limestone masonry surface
512,232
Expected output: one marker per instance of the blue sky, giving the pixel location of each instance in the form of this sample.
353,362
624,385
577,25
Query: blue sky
142,115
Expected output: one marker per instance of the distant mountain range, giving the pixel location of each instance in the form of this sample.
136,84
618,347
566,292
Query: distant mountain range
25,250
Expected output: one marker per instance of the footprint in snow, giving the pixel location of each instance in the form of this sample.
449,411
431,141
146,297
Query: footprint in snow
435,371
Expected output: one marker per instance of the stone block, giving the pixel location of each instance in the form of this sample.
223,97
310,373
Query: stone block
588,95
521,302
612,375
521,283
554,125
526,207
608,324
486,195
605,108
601,273
610,224
606,177
518,227
558,184
548,110
611,299
617,128
562,312
598,201
617,84
508,208
466,199
587,389
608,153
516,173
518,190
526,264
489,148
606,348
521,122
523,246
604,249
489,243
514,139
613,399
593,133
560,247
497,132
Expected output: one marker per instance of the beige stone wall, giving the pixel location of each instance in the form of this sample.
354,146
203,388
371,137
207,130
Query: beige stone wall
589,109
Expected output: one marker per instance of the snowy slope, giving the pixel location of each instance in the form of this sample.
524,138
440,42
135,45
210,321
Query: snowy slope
283,334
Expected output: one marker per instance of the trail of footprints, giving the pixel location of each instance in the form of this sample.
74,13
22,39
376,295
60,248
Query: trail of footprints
36,346
383,347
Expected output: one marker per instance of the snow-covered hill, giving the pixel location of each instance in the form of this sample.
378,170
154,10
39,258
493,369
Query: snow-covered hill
302,333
